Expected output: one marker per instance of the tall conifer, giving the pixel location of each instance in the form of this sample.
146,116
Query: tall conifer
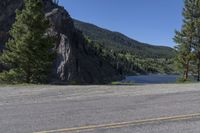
28,53
185,38
196,42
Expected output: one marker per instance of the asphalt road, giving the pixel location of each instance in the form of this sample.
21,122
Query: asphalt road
100,109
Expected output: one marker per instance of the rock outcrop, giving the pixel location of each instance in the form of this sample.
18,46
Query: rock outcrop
75,63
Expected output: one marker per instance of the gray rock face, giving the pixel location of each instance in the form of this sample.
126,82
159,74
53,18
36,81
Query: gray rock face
75,62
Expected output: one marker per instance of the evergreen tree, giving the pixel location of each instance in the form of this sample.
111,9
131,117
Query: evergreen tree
185,39
196,42
29,53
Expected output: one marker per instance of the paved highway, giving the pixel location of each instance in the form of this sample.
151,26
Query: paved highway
163,108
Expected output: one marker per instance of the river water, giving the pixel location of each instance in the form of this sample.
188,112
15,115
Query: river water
151,79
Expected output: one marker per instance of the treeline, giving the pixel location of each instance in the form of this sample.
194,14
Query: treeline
188,41
129,63
119,42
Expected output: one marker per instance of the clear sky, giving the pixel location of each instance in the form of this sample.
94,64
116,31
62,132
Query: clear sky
149,21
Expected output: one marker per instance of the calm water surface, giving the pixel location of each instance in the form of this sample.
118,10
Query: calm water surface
151,79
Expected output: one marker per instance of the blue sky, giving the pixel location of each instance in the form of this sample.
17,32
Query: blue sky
149,21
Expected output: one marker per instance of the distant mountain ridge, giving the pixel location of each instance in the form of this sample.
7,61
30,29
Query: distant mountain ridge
120,42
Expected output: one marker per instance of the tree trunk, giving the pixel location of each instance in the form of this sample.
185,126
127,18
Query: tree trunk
186,72
28,73
185,75
198,69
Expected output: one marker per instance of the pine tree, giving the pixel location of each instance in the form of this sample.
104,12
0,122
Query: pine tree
29,53
196,42
185,39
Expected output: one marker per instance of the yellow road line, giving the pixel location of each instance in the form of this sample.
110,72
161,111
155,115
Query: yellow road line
124,124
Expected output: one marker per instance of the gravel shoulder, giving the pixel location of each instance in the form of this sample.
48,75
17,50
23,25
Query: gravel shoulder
42,91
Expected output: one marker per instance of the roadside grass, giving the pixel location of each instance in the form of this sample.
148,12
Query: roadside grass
189,81
74,84
122,83
20,85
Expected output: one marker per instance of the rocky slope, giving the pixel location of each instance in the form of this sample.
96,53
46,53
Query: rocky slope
75,62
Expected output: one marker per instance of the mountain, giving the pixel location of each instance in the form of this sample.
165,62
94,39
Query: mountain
120,42
87,54
75,62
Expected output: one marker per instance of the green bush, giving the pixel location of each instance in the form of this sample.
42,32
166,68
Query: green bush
12,76
181,80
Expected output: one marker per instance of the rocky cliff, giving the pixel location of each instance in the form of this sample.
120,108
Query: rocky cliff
75,62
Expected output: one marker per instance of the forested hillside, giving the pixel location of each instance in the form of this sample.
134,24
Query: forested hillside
128,56
120,42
